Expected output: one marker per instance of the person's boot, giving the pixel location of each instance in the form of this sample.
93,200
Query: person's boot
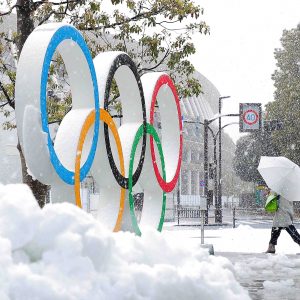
271,249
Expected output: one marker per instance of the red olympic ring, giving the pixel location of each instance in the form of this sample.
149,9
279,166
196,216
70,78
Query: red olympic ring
166,186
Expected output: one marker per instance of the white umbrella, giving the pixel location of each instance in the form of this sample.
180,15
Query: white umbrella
281,175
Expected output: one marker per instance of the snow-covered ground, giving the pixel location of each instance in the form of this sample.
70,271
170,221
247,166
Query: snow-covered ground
61,252
244,239
265,276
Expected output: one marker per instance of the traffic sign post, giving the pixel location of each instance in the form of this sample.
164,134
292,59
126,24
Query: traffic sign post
271,125
250,117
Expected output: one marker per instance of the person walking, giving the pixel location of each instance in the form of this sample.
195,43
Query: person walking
283,219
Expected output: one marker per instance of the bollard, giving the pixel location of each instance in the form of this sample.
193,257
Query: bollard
233,217
203,214
203,210
202,226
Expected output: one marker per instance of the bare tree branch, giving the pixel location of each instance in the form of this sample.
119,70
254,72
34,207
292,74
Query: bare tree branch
46,18
56,3
105,40
7,73
125,46
168,22
2,105
36,4
158,64
9,11
8,39
135,18
9,101
53,12
114,98
171,29
142,52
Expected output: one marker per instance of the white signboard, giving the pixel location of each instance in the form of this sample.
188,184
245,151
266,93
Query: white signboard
203,203
250,117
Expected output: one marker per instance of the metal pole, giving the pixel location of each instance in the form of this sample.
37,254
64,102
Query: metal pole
206,165
219,202
178,201
233,217
215,177
88,205
202,226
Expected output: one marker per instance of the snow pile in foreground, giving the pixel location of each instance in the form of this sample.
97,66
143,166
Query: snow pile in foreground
61,252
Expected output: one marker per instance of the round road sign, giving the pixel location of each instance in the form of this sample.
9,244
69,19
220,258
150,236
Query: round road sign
250,117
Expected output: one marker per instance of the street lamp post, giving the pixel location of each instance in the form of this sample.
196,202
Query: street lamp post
205,138
205,166
205,143
219,202
218,212
215,172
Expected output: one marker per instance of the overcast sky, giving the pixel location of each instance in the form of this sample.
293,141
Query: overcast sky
238,55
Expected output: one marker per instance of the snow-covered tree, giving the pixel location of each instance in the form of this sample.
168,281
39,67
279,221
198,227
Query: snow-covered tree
286,106
156,34
248,151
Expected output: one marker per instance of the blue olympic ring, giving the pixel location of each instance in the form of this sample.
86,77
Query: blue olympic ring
65,33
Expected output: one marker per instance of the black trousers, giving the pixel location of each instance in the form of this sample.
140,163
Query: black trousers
291,230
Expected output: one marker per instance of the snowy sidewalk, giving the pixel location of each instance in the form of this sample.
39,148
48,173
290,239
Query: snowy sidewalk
264,276
267,276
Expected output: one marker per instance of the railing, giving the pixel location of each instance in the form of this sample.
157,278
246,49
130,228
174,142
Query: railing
250,214
191,215
188,212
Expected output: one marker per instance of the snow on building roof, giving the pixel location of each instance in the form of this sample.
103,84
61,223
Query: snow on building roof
203,106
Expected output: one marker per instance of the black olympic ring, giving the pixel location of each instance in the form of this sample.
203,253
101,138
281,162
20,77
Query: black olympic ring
124,60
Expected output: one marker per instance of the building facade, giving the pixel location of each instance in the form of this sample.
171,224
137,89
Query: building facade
197,109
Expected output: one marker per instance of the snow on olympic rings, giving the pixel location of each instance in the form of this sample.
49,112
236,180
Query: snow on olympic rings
88,139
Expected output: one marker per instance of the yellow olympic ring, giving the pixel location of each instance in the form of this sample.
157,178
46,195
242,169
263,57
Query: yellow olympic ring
90,120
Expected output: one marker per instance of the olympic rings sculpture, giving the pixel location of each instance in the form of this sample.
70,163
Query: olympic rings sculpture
76,151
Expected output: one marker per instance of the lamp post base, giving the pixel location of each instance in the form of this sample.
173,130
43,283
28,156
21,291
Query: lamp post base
218,215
